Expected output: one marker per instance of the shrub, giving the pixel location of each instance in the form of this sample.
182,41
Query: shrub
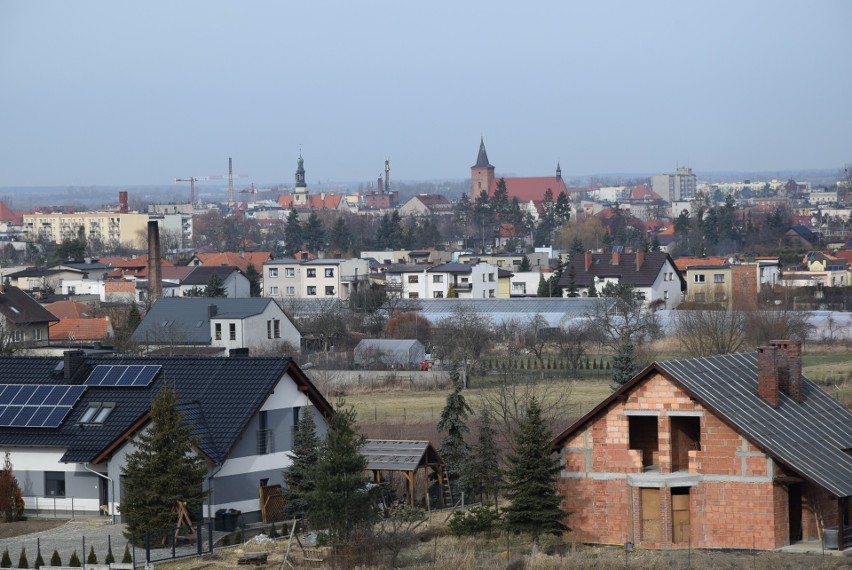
55,560
74,561
226,540
6,561
273,533
92,558
11,498
22,559
474,521
110,559
127,558
39,560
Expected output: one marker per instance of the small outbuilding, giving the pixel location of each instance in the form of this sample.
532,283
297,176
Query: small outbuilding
396,353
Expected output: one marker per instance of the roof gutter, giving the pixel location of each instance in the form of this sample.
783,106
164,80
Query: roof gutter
111,490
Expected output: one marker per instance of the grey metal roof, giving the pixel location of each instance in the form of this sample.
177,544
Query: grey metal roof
388,344
556,312
808,436
187,320
201,275
399,455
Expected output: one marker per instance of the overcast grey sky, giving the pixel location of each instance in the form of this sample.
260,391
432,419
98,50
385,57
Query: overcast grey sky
110,93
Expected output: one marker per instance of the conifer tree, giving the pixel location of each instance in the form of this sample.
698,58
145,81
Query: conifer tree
215,287
254,280
525,264
55,560
483,475
126,558
293,238
543,286
572,282
161,470
304,456
74,561
92,558
453,448
593,291
110,557
6,560
624,366
534,502
11,498
133,318
22,559
338,501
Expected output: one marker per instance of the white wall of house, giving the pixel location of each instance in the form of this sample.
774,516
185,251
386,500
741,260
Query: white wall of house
257,333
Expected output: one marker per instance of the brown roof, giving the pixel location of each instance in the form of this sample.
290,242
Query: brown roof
81,329
241,260
69,309
120,287
526,189
682,263
321,201
9,215
20,308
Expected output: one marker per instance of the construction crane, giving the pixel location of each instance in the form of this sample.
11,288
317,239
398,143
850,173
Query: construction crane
230,177
191,181
251,190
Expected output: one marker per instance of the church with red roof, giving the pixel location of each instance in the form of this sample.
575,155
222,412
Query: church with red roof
530,189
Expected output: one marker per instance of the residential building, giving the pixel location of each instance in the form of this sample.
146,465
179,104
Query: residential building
446,280
408,256
128,230
243,411
730,451
235,283
216,325
23,321
81,330
653,275
426,205
314,278
676,187
729,284
510,261
240,260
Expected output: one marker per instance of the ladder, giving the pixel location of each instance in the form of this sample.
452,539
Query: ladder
448,492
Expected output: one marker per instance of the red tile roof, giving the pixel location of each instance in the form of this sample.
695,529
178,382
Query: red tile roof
257,258
81,329
321,201
9,215
526,189
682,263
120,287
69,309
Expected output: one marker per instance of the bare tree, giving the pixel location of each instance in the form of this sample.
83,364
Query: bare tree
463,337
573,340
761,326
705,332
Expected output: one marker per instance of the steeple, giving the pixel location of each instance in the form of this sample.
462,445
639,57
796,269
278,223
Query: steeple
301,186
558,171
482,158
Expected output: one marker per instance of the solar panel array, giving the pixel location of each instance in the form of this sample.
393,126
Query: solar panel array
44,405
122,375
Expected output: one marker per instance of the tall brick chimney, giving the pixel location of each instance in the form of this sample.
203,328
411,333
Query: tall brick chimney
767,375
588,260
122,202
789,359
155,283
640,259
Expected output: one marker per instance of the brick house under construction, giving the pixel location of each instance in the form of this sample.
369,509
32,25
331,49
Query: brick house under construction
731,451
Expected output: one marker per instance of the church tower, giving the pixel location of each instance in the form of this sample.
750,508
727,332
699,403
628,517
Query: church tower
301,195
558,171
481,173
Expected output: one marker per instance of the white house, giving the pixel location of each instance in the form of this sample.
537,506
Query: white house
314,279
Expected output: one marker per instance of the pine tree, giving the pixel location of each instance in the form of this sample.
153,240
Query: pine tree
126,558
593,292
482,470
92,558
304,456
338,502
110,557
161,470
534,502
215,287
543,286
22,559
254,280
74,561
55,560
572,282
293,238
525,264
11,498
6,560
133,318
624,366
453,448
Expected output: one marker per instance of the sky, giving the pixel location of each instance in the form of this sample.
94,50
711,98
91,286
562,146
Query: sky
137,93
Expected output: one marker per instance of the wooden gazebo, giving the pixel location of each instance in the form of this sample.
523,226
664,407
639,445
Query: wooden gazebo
407,458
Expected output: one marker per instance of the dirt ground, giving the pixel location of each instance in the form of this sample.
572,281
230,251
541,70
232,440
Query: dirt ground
18,528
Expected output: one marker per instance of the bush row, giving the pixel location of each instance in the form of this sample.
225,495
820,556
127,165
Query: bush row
56,559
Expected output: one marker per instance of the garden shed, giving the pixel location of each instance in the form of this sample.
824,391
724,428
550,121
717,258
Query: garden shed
386,457
396,353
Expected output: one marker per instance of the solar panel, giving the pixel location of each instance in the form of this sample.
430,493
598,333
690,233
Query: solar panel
122,375
31,405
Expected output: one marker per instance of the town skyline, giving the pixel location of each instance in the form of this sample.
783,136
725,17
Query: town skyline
120,96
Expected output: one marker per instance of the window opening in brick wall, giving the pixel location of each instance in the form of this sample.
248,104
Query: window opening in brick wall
686,436
644,437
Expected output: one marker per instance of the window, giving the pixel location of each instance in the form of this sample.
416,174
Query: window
289,272
491,277
329,290
54,483
312,272
438,295
685,436
72,290
718,278
17,336
700,297
413,278
273,272
218,328
413,295
291,290
312,290
719,297
642,433
276,328
666,295
698,278
36,333
329,272
232,331
491,293
96,413
437,279
264,434
273,290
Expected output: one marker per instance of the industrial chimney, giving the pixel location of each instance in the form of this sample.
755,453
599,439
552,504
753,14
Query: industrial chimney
387,176
155,283
122,202
230,181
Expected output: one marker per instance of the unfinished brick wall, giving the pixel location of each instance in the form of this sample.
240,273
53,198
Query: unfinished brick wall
740,507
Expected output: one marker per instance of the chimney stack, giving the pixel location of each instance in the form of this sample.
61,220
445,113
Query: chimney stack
155,285
122,202
588,260
767,375
789,358
616,257
73,359
212,310
640,259
379,186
